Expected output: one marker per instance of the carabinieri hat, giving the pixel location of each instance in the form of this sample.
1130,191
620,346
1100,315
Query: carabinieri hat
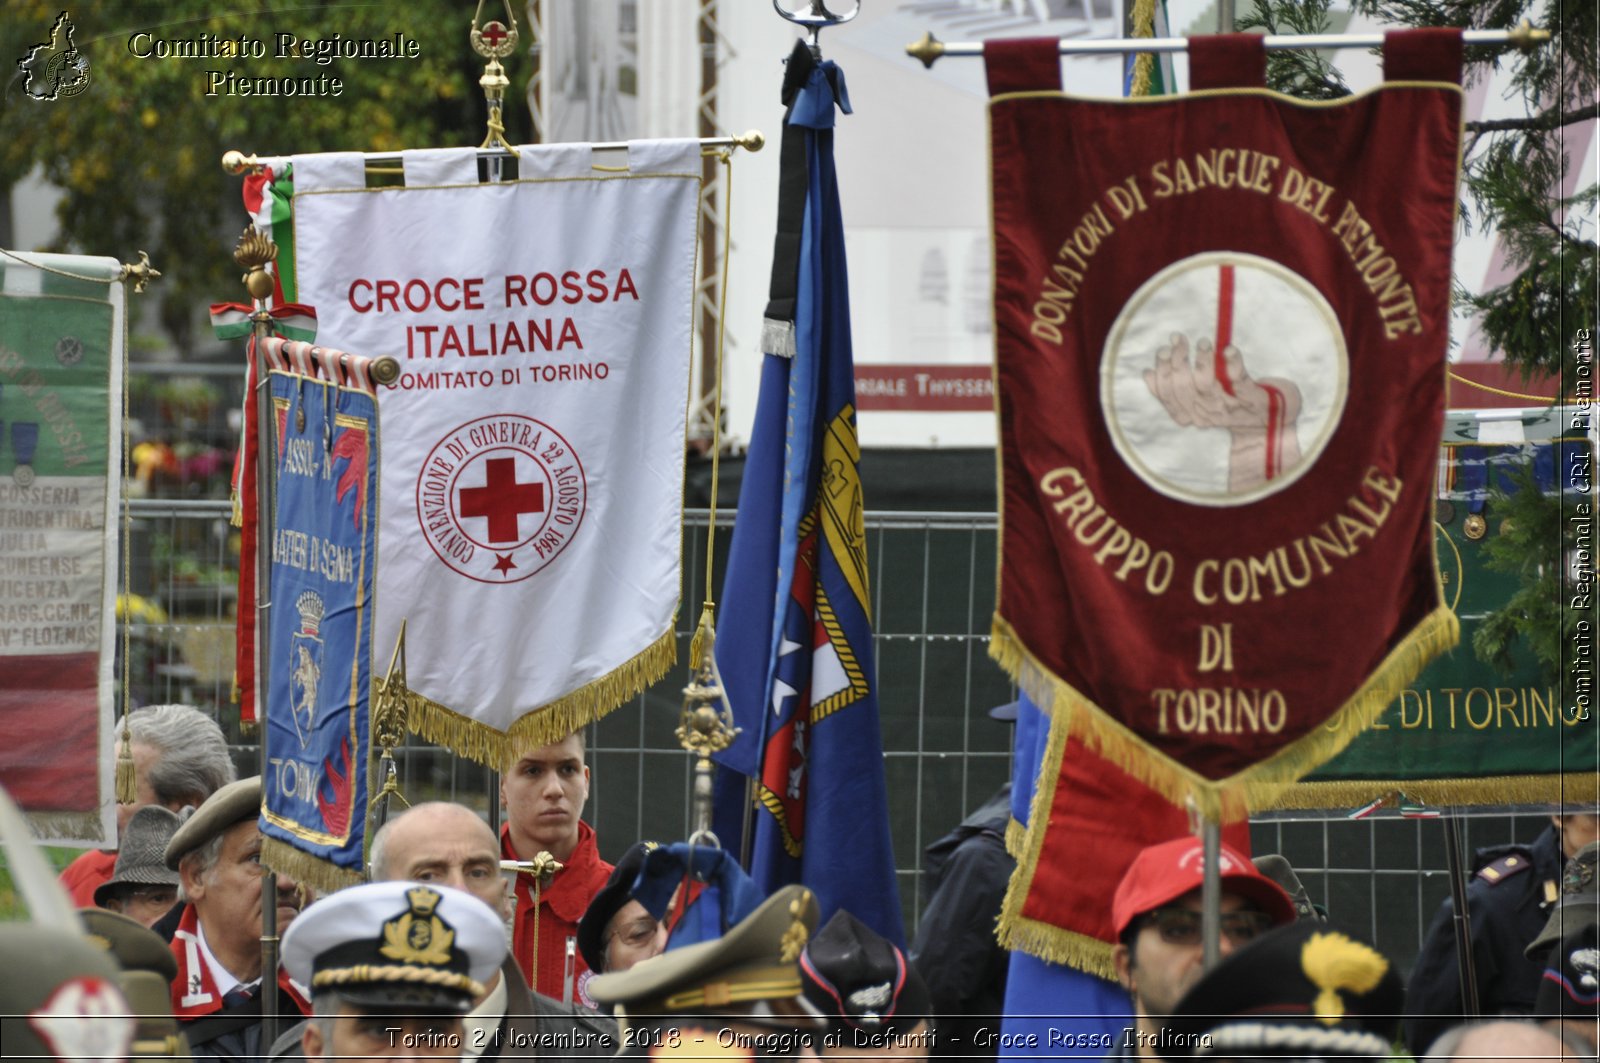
396,946
861,981
1299,989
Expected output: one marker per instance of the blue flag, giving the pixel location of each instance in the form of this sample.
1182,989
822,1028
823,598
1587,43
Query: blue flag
318,672
795,649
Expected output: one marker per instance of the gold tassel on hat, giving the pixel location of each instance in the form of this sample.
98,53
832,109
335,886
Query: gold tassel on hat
1334,962
126,789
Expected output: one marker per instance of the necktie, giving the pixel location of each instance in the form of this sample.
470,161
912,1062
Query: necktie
238,995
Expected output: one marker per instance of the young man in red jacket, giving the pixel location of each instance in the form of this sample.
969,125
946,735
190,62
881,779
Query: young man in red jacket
543,793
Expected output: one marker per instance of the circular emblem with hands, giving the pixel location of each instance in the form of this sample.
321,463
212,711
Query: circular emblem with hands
1223,378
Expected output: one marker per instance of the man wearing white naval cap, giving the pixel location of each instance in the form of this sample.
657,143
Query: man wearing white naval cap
393,967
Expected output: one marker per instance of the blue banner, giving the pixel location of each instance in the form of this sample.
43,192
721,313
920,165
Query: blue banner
796,657
318,655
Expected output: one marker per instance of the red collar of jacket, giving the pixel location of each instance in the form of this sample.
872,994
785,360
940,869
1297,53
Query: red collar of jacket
194,991
567,896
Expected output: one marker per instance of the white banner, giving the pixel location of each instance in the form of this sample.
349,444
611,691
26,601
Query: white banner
531,476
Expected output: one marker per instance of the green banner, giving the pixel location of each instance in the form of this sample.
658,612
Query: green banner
1465,732
61,351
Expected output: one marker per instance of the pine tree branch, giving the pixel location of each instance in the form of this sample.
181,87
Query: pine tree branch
1551,119
1568,238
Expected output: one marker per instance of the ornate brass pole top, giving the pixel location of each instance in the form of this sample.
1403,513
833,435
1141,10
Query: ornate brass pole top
703,728
140,272
495,40
253,252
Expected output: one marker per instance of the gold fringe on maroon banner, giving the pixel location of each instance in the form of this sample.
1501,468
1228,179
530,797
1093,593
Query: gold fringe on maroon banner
548,723
1222,800
1257,786
285,859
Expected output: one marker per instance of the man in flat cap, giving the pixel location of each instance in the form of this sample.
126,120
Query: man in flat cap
737,994
217,943
1156,916
392,968
448,844
1301,991
142,886
874,1001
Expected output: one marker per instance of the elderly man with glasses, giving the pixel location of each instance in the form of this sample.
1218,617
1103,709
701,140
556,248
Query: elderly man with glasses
1156,912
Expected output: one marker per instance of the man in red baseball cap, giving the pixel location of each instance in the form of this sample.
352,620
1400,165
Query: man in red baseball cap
1156,912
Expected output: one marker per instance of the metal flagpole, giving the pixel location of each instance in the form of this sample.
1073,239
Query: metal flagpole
237,162
1211,894
253,252
1461,917
930,49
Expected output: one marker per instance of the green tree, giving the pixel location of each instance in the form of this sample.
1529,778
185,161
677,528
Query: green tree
138,152
1515,172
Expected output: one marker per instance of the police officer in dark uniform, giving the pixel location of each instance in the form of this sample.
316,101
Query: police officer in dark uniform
1508,903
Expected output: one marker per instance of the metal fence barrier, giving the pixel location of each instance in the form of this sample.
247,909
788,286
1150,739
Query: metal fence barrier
933,593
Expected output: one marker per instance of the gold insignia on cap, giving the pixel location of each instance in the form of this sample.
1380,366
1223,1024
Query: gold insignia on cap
1335,963
418,935
794,939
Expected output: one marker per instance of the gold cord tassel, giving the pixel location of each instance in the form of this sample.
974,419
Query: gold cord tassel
126,788
704,637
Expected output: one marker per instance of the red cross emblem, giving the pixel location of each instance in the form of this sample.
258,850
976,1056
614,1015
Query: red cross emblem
494,33
502,500
500,497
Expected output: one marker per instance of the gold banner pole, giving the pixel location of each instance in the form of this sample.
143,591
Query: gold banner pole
930,49
254,251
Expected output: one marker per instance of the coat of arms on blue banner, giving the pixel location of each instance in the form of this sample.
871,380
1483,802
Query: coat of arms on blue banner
305,664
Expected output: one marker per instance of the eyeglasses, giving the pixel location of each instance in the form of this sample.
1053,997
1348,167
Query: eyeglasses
637,934
1181,926
167,895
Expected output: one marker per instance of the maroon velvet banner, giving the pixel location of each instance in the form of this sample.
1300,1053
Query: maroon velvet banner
1221,330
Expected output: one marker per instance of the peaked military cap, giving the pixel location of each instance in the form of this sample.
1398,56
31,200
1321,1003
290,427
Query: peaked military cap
392,945
1570,986
755,960
1579,903
63,1002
